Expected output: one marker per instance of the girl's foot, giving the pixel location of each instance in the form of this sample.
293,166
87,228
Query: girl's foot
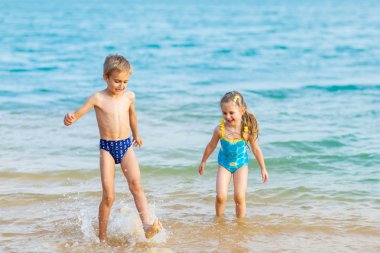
152,230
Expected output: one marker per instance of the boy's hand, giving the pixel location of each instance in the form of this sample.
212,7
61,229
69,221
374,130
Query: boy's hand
201,168
69,119
264,174
137,142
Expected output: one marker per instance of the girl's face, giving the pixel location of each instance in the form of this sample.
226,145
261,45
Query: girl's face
232,113
117,81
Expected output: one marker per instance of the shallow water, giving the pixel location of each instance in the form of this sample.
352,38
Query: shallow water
307,70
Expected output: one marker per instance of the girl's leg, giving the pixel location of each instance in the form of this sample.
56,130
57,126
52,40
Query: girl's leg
240,187
223,179
107,172
131,172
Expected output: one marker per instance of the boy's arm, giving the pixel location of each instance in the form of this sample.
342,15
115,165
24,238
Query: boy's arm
259,158
133,122
209,149
70,118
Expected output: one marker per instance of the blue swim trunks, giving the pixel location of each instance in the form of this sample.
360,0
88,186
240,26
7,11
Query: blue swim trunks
116,148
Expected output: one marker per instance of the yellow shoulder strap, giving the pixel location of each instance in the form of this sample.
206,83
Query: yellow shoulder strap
222,127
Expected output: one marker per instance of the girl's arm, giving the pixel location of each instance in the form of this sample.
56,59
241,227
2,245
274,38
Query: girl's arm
133,122
209,149
70,118
259,157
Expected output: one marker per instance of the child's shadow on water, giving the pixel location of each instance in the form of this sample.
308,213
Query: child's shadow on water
118,241
229,232
127,243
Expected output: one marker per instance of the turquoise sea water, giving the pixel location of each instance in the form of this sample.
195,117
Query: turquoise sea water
308,71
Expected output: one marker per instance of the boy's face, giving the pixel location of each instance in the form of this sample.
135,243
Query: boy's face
117,81
232,113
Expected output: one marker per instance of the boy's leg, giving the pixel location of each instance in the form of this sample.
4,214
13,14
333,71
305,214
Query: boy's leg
240,187
107,172
131,172
223,179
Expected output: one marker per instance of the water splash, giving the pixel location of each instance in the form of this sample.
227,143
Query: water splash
124,227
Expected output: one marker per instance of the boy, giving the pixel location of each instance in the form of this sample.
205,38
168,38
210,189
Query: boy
116,117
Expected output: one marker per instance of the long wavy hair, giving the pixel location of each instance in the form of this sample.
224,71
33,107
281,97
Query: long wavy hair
249,123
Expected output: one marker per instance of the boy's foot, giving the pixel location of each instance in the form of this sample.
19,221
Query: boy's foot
152,230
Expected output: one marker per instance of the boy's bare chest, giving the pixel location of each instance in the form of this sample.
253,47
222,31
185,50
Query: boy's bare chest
116,108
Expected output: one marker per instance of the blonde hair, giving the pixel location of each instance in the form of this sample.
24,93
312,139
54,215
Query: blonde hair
249,123
116,62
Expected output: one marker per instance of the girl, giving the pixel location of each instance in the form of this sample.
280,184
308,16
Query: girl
236,130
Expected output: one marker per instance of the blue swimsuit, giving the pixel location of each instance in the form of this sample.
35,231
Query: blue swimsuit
233,153
116,148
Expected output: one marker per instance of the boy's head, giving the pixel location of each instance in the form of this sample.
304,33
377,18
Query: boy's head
116,62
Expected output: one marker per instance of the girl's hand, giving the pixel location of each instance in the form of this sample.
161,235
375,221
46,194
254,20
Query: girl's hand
264,174
201,168
69,119
137,141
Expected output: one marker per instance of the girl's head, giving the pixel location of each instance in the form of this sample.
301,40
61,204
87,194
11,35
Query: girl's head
234,111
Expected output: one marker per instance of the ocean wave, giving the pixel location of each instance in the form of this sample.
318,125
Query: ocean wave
284,93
